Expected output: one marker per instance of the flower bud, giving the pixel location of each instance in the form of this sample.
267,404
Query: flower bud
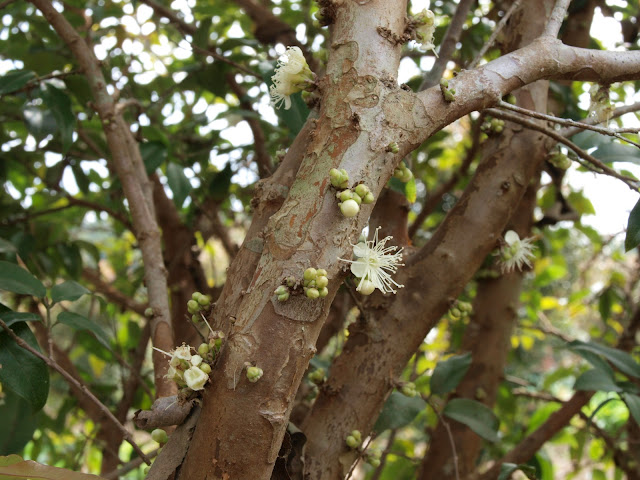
254,374
349,208
336,177
193,306
393,147
148,312
196,318
196,296
283,297
352,442
357,198
205,367
356,434
310,274
321,272
368,198
312,293
280,290
195,378
291,282
321,281
409,389
345,195
160,436
204,300
323,292
362,190
203,349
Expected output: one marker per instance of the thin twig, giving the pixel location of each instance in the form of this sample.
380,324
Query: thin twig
557,16
618,112
448,45
613,132
452,442
69,378
492,38
127,467
630,182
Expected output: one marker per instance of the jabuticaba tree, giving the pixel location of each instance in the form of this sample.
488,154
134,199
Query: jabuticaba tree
380,258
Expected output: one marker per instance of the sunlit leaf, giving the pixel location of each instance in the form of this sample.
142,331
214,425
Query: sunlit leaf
475,415
15,80
178,183
79,322
619,359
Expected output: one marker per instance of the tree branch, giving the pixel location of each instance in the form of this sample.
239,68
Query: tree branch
489,43
131,171
557,16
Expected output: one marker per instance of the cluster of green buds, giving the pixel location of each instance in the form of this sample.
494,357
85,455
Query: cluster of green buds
403,173
408,389
449,94
197,305
492,126
354,439
460,310
318,376
349,199
559,160
253,373
372,457
393,147
160,436
315,283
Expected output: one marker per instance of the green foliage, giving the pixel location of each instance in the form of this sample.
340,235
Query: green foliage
398,411
449,373
474,415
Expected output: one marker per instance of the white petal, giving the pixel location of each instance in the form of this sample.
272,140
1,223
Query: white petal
359,269
360,250
511,237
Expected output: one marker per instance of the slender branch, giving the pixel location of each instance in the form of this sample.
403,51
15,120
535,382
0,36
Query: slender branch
618,112
448,45
452,442
557,16
71,380
263,159
613,132
113,294
130,169
81,202
127,467
172,16
602,168
36,82
489,43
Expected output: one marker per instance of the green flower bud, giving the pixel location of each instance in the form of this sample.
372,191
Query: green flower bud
336,177
465,307
393,147
254,374
321,272
374,462
560,160
362,190
317,376
205,367
455,313
350,208
280,290
193,306
444,83
312,293
196,296
345,195
283,297
356,434
352,442
323,292
357,198
409,389
148,312
204,300
203,349
310,274
160,436
368,198
291,282
407,175
366,287
321,281
196,318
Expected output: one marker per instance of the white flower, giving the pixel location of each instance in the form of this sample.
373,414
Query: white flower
516,252
425,30
180,354
195,378
374,264
196,360
292,75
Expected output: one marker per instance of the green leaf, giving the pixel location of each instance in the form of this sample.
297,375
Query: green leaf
15,80
633,404
79,322
69,290
621,360
632,239
398,411
81,178
60,105
596,380
508,469
18,280
449,373
178,183
474,415
18,424
37,471
22,372
39,122
153,155
616,152
10,317
220,183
